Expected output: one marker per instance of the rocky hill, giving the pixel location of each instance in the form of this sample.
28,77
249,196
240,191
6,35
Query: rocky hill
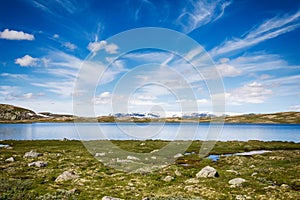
11,113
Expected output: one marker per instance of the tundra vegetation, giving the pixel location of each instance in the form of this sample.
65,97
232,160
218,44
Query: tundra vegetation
52,169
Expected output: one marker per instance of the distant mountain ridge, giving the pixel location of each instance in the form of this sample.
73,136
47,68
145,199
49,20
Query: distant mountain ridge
15,114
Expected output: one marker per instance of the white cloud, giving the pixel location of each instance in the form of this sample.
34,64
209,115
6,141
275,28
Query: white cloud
251,93
294,108
55,36
250,64
199,13
26,61
99,45
228,70
15,35
69,46
10,93
103,98
265,31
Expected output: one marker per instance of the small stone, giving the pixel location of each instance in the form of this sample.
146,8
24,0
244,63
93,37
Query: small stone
190,188
254,174
133,158
242,197
110,198
38,164
10,159
153,157
233,171
168,178
237,182
192,181
178,155
155,150
32,154
142,144
100,154
207,172
285,186
130,184
67,175
252,166
270,187
177,173
146,198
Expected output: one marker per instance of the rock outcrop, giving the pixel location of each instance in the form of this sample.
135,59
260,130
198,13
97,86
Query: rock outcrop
10,113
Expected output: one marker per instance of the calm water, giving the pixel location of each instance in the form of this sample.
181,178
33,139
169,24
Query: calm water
125,131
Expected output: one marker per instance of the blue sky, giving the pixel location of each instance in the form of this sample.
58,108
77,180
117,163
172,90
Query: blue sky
255,46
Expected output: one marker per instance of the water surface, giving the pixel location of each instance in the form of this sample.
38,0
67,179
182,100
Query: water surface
171,131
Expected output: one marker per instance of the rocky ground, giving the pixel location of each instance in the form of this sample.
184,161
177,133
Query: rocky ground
66,170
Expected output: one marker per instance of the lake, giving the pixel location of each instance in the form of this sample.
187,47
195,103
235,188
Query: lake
142,131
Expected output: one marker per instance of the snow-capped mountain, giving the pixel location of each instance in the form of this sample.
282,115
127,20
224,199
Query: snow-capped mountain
157,115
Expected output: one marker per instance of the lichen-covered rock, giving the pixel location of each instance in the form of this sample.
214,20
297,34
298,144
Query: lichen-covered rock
10,159
67,175
168,178
192,181
133,158
100,154
207,172
237,182
32,154
177,173
38,164
178,155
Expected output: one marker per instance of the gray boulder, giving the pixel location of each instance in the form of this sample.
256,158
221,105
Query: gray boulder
100,154
11,159
178,155
32,154
133,158
66,175
207,172
38,164
237,182
168,178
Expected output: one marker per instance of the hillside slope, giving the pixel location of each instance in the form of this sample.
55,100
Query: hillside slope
11,113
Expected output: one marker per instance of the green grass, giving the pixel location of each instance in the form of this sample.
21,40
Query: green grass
18,181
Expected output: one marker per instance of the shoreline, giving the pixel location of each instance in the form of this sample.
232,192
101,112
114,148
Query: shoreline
143,122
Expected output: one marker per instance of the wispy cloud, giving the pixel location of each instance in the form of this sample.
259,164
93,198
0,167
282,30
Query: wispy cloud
15,35
9,93
144,4
62,88
267,30
199,13
294,108
249,93
53,7
14,76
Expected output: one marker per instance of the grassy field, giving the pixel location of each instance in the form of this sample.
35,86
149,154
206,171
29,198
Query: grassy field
273,175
